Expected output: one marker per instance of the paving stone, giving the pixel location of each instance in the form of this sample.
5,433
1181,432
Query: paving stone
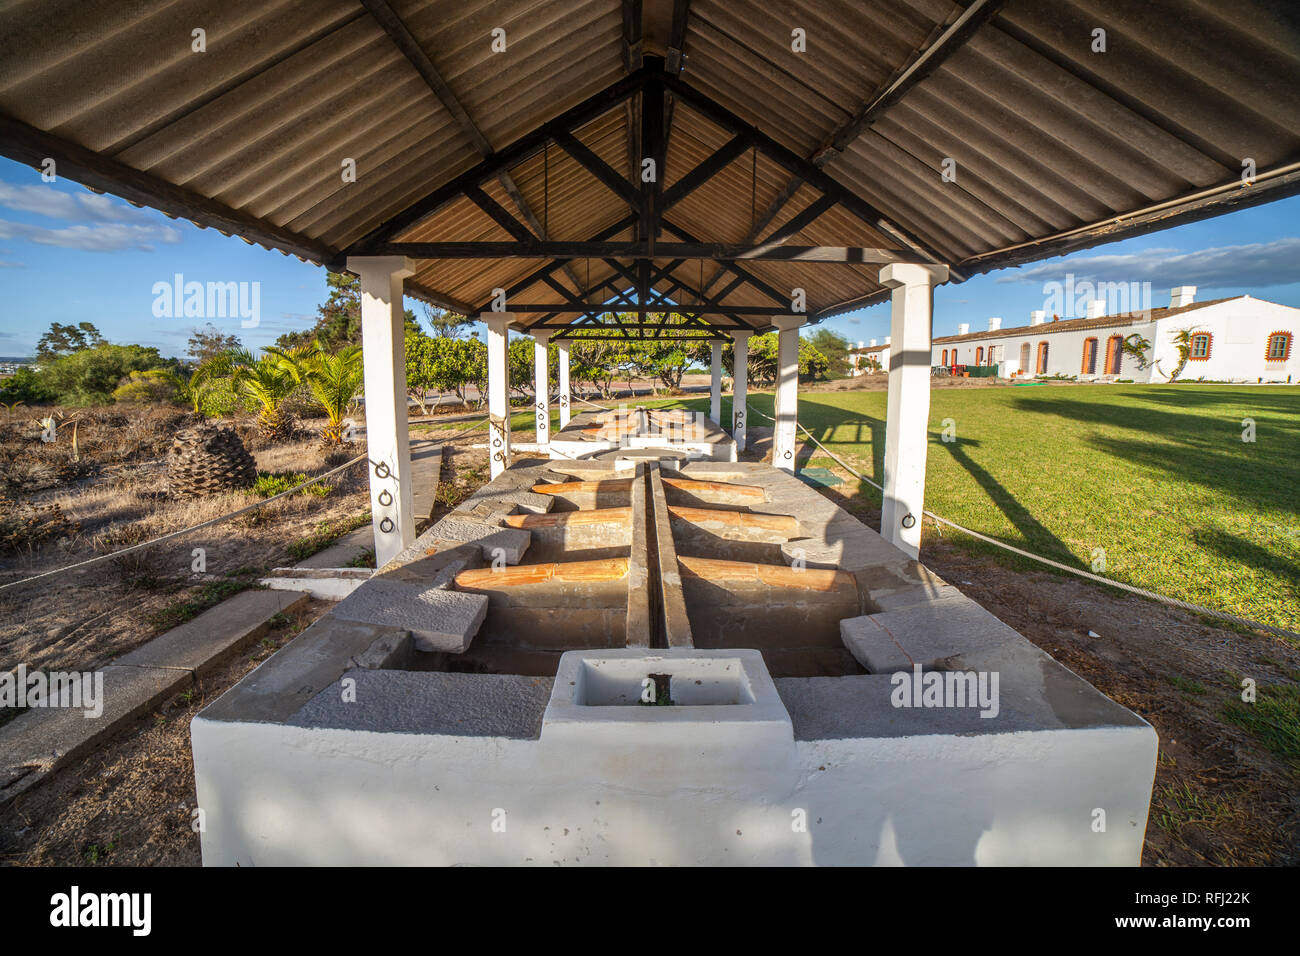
35,744
438,619
217,634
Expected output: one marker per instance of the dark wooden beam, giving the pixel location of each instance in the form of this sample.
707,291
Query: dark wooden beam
603,172
632,53
410,47
703,172
653,147
645,307
502,218
675,62
518,151
539,273
31,146
530,248
794,164
926,61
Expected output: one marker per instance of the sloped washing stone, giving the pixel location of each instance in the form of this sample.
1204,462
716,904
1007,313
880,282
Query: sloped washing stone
938,634
512,542
529,501
438,619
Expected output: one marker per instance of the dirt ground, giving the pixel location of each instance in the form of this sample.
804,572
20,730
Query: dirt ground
1220,796
114,497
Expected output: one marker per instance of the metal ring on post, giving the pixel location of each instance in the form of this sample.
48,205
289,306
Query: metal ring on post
381,469
385,498
386,525
908,520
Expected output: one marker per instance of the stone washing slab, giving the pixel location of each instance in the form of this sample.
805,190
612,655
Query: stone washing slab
430,702
438,619
928,634
456,529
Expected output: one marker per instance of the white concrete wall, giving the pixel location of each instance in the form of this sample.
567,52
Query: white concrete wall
1064,352
1240,329
277,795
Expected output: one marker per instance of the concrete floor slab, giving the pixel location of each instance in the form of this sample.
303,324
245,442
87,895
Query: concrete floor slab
438,619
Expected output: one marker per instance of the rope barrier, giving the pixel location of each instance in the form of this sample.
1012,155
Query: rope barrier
207,524
1079,572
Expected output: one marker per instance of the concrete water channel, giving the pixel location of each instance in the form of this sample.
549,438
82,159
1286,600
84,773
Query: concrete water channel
641,658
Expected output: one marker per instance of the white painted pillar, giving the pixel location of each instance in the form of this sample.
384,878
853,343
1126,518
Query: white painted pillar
908,415
566,401
542,388
498,324
715,387
787,390
739,380
388,438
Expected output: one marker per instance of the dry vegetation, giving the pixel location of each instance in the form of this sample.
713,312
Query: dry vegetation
112,494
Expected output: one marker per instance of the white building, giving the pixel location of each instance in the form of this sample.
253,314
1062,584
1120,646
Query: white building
1240,339
862,353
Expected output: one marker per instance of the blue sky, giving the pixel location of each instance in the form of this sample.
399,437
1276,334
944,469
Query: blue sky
68,255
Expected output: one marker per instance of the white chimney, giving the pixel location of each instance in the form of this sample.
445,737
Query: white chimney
963,329
886,339
860,344
995,323
873,343
1182,295
1096,308
1036,318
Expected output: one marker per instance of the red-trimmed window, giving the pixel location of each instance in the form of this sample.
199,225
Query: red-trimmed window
1200,347
1114,354
979,355
1089,357
945,357
1279,347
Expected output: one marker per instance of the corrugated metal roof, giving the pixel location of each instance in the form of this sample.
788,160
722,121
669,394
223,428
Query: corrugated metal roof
1054,146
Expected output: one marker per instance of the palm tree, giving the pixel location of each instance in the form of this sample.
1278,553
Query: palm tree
334,379
268,381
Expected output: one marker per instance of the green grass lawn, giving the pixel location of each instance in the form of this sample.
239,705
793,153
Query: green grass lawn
1157,476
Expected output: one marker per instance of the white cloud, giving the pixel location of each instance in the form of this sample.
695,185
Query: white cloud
106,237
57,204
1254,265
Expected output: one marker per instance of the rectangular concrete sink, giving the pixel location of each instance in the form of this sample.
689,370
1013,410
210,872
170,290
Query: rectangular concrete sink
692,681
721,699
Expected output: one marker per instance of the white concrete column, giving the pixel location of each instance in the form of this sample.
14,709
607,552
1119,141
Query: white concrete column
498,324
787,390
715,386
541,388
388,438
566,400
908,415
739,379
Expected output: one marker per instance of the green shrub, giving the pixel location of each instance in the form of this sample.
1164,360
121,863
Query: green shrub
269,484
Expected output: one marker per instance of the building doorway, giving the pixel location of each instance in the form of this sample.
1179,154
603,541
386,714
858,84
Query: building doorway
1042,358
1089,357
1114,354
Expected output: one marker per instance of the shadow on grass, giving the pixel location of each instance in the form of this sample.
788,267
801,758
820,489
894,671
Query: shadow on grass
1249,554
